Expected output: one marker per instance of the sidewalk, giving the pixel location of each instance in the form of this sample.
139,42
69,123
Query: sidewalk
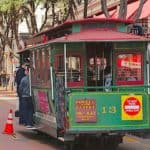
9,97
7,94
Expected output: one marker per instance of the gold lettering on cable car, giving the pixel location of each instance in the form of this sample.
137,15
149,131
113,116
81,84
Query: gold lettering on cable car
85,110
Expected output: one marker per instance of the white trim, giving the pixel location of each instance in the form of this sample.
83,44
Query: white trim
30,81
65,61
52,85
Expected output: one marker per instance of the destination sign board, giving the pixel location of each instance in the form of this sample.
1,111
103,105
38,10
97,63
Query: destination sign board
85,110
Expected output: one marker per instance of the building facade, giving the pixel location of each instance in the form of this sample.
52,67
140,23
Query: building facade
95,10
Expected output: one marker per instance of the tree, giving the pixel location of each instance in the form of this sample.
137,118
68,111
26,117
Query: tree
8,24
68,8
11,14
122,9
104,8
85,6
85,9
139,10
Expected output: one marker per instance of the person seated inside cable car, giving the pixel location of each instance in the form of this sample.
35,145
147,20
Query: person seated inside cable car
90,72
129,76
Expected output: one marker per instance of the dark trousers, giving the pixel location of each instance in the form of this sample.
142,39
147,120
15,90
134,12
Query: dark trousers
21,120
27,110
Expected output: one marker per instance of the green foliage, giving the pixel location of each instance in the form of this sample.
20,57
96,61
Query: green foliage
6,5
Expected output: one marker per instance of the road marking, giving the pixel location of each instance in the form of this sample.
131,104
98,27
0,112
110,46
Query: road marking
133,139
14,136
128,138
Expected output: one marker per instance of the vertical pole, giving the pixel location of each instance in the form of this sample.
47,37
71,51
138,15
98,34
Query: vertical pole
65,60
98,72
148,66
30,81
52,86
103,66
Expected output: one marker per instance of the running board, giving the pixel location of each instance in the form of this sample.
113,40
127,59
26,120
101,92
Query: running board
61,139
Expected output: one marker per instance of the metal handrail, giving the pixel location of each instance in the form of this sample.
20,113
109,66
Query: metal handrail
118,88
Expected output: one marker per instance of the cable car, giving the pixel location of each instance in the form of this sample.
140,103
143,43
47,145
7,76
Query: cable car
90,80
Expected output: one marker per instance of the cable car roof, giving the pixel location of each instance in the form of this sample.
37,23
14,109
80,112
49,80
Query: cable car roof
101,35
82,21
95,35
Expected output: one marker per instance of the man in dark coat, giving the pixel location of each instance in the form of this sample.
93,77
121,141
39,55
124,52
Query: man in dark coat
27,105
19,75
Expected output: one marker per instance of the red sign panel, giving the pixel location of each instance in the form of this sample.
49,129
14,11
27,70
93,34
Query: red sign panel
132,106
85,110
43,104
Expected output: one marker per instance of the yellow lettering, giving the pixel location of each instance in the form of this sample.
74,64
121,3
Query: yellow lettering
104,110
109,109
112,109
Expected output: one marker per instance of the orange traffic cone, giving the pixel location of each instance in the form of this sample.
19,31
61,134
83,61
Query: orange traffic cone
9,124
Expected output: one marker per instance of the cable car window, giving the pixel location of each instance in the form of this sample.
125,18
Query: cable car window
60,63
73,68
33,66
129,68
33,59
96,67
73,64
47,64
41,67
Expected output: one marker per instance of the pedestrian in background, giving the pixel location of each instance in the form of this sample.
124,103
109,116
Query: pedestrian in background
20,73
3,79
27,105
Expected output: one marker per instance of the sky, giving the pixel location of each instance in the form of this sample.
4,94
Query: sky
39,14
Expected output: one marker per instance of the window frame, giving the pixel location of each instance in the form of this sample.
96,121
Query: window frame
41,76
138,82
71,83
